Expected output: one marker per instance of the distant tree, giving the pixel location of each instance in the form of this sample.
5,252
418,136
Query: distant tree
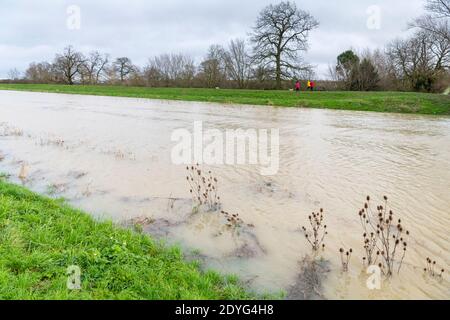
170,69
136,77
212,69
94,66
356,74
420,60
69,64
238,62
367,77
347,63
42,72
281,32
123,67
14,74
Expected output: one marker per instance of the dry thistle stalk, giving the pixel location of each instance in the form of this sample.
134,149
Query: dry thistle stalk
384,236
345,258
318,231
234,222
432,269
203,188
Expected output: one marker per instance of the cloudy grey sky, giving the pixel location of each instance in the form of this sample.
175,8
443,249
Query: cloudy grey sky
35,30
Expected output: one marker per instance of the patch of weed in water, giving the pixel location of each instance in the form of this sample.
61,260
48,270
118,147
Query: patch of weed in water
433,270
203,187
345,258
315,234
385,238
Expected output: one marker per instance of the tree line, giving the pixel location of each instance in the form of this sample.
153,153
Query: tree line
420,62
272,58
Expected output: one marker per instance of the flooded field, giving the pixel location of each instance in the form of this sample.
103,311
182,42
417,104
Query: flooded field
112,157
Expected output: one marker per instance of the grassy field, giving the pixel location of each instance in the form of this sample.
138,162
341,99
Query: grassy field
40,238
400,102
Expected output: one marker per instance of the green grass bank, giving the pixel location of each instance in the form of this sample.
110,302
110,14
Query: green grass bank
41,237
398,102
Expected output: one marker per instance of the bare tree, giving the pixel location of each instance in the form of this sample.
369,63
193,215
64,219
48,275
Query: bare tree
42,72
281,32
212,69
69,64
420,60
437,20
170,69
123,67
238,62
94,67
14,74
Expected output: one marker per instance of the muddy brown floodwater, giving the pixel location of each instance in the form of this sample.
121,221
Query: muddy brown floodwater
112,157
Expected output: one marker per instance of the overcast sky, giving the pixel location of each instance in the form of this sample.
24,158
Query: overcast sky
35,30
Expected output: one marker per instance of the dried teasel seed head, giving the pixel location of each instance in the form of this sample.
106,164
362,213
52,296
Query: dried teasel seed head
368,198
385,198
341,250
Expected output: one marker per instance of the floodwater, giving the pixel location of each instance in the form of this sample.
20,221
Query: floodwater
112,157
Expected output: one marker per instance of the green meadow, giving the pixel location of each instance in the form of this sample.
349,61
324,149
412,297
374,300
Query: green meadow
399,102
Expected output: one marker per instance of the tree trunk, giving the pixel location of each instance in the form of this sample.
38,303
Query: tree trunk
278,72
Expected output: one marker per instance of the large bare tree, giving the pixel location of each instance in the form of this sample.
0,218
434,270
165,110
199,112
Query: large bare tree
69,64
281,32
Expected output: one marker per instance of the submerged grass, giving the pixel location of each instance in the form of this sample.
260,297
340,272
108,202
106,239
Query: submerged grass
399,102
40,238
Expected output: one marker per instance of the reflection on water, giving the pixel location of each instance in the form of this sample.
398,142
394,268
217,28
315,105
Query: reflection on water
111,156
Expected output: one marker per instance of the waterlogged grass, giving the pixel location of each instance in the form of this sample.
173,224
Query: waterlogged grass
40,238
400,102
